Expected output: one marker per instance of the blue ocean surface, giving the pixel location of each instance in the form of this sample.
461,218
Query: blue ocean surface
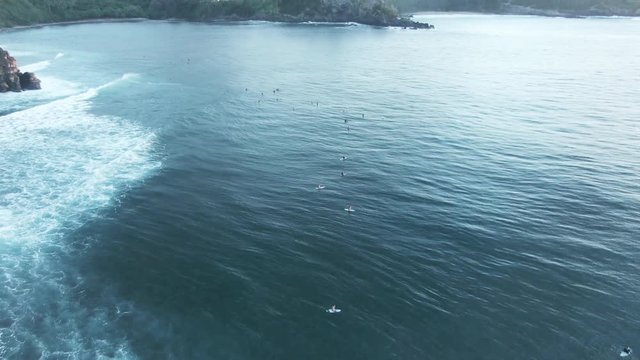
158,197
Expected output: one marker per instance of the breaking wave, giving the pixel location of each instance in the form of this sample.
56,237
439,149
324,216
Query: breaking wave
60,166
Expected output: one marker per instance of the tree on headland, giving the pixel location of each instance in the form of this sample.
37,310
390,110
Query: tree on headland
376,12
19,12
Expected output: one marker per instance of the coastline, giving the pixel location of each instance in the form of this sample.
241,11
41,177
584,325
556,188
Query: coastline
408,16
525,12
71,22
401,22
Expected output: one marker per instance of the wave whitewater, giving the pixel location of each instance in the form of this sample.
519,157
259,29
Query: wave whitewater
52,88
40,65
60,166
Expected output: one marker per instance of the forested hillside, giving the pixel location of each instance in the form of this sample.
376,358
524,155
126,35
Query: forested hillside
23,12
578,7
20,12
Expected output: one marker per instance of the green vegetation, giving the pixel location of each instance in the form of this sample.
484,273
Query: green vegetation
577,7
378,12
24,12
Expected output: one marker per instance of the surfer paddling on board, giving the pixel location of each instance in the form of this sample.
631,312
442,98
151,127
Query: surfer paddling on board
625,352
333,310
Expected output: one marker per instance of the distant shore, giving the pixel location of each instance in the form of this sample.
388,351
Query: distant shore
292,20
72,22
401,22
527,11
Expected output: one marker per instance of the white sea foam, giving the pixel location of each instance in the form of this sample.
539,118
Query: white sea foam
331,23
59,166
52,88
58,158
39,66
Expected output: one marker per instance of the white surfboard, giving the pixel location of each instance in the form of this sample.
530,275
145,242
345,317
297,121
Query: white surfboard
349,210
624,354
333,311
320,187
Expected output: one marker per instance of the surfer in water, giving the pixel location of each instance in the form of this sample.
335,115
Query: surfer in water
626,351
333,310
341,173
343,158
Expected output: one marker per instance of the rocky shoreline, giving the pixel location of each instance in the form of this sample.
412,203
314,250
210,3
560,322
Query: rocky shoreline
403,22
72,22
601,11
12,79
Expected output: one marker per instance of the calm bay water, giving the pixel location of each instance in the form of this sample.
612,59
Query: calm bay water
158,201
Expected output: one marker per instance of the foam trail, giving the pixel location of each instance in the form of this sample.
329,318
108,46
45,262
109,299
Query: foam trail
39,66
124,77
60,166
52,89
50,145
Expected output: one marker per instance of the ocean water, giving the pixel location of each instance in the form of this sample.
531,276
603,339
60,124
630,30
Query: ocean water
158,197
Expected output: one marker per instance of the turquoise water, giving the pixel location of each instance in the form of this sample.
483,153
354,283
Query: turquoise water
158,198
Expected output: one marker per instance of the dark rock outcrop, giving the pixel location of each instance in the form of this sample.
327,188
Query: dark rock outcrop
370,12
29,81
9,73
11,79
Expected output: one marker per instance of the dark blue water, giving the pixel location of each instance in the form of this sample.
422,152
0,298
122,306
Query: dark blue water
158,199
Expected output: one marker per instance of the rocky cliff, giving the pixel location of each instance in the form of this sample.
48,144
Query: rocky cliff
370,12
11,79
